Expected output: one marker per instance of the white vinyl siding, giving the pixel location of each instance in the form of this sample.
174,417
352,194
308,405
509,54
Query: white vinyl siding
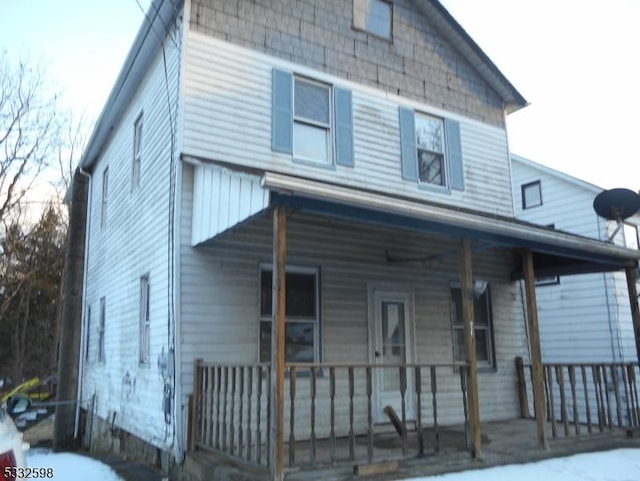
584,318
135,243
221,80
220,298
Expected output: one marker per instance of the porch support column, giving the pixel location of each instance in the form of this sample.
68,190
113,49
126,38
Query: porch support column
466,284
632,278
277,343
536,353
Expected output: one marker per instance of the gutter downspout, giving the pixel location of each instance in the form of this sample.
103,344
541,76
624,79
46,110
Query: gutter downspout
83,330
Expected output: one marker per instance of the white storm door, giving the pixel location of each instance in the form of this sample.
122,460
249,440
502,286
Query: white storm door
392,341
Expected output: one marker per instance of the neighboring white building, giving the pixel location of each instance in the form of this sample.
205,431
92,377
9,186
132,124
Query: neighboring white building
583,318
375,131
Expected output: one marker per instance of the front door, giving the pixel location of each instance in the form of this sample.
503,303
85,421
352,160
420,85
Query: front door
392,329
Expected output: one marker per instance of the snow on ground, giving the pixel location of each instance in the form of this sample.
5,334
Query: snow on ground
70,467
617,465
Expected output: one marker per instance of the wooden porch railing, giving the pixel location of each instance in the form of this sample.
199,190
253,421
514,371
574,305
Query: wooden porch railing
595,397
330,411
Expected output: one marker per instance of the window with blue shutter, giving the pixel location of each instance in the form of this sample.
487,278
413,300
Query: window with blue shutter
430,150
311,120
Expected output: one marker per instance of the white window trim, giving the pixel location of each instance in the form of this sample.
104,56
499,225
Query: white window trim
138,131
446,184
144,320
105,197
316,321
102,329
329,127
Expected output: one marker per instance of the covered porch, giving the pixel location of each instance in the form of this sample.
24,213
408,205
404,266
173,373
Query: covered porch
368,415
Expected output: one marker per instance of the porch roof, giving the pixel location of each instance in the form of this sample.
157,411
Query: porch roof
555,252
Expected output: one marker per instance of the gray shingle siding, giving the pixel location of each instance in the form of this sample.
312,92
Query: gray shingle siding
417,64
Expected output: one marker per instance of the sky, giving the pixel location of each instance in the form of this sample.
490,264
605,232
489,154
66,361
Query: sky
575,61
616,465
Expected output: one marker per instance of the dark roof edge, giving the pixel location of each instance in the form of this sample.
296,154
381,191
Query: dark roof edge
146,45
462,41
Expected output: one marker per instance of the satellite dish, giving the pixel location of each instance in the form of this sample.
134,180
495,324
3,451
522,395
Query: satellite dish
616,204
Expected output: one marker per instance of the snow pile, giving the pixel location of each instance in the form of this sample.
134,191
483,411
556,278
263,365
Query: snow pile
617,465
71,467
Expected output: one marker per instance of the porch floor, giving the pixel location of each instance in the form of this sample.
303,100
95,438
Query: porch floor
503,442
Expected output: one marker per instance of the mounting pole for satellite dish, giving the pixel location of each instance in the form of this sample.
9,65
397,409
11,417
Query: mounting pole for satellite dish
618,205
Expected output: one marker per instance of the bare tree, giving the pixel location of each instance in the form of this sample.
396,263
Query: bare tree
29,130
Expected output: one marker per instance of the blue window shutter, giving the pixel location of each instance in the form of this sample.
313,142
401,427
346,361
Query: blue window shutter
344,127
408,153
282,112
454,153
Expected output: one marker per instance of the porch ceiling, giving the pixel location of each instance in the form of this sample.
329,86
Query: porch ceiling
555,253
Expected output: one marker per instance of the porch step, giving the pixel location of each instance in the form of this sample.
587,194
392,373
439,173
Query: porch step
206,466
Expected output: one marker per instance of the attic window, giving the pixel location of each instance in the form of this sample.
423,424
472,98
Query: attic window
373,16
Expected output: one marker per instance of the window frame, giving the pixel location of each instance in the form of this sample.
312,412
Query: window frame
523,189
87,347
446,181
316,321
138,129
361,19
105,197
547,280
490,362
144,321
329,128
101,329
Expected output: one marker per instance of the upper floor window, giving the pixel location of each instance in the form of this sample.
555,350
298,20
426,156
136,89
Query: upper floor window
431,150
302,314
312,121
631,236
430,145
482,326
137,152
373,16
105,191
531,194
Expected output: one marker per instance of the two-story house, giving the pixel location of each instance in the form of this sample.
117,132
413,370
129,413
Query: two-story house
300,226
582,318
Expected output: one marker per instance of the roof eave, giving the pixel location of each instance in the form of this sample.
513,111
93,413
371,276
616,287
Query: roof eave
144,49
444,22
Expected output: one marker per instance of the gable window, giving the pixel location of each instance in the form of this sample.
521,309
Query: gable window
101,329
531,195
145,325
482,325
373,16
431,152
105,191
312,121
137,152
302,315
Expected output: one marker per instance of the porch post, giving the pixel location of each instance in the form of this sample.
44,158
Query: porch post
466,284
534,341
632,278
277,343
